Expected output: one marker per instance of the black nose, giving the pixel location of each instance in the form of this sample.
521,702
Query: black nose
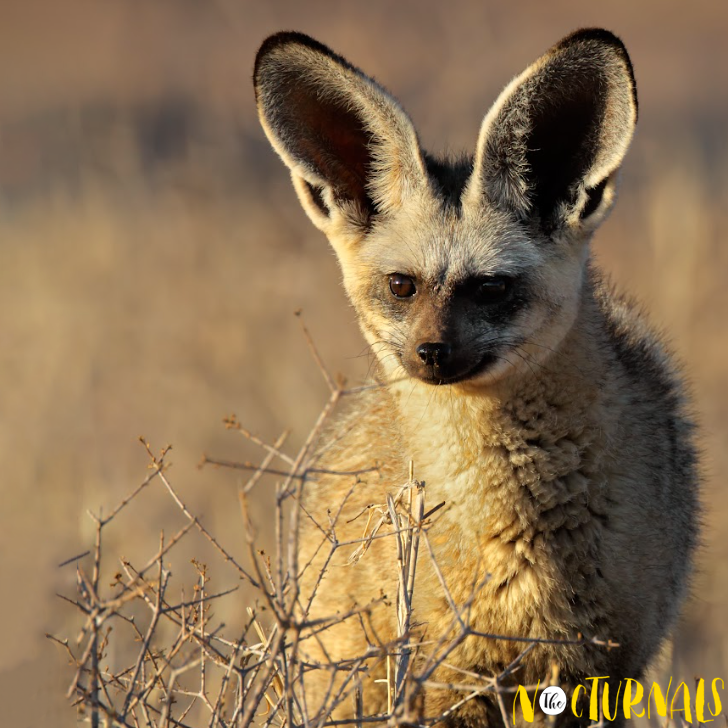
434,354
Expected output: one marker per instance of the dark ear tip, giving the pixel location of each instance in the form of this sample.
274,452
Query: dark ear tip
277,40
592,35
286,38
600,37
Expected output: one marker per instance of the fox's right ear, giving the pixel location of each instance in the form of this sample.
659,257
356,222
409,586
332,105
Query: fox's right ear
353,153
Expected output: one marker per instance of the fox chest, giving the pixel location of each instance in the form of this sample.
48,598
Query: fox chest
516,540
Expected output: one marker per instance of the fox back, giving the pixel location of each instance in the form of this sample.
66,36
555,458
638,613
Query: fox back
534,401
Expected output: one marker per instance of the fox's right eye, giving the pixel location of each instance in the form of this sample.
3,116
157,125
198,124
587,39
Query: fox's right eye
402,286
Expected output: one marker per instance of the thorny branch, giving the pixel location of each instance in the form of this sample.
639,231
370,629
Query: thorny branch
144,657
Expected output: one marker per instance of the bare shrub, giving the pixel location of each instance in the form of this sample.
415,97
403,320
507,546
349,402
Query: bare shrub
145,656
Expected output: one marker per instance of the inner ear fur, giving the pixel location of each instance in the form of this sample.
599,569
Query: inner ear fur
552,143
350,147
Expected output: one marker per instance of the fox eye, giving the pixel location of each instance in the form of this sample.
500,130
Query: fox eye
402,286
493,289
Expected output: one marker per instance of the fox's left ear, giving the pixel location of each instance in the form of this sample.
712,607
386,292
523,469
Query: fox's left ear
551,146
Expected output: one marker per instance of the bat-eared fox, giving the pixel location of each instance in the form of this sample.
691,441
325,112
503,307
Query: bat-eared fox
534,401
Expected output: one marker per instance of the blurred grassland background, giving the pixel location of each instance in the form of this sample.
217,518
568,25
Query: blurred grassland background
152,253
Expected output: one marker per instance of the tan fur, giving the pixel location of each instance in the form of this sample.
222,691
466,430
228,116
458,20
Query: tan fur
566,465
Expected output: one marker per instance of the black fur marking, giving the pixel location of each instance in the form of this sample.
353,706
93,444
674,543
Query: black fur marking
593,198
318,199
496,316
449,177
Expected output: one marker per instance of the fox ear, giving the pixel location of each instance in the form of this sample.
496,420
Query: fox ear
353,153
550,147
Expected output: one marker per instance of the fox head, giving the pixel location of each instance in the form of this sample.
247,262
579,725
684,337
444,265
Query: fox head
461,272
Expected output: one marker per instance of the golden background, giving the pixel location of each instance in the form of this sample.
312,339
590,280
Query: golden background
152,253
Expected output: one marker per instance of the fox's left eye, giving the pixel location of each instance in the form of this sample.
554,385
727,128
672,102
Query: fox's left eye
493,289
